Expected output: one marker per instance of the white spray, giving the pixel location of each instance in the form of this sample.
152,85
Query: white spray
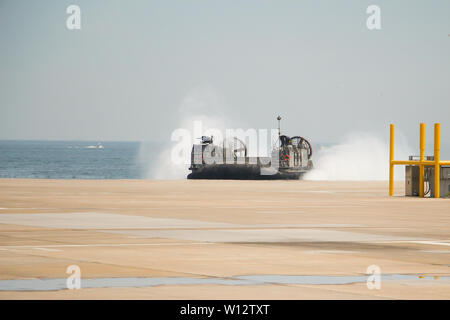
200,106
361,156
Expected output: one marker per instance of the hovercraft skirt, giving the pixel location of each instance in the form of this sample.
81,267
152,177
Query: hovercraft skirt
240,172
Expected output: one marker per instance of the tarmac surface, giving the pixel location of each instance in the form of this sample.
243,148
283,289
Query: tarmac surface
205,239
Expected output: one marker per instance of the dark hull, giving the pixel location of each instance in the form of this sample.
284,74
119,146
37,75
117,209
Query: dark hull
241,172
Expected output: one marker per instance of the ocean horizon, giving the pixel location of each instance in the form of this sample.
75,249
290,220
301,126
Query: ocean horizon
52,159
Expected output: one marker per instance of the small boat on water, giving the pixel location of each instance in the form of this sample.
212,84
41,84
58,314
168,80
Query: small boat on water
98,146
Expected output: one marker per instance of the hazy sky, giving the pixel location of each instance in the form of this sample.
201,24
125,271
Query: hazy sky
124,75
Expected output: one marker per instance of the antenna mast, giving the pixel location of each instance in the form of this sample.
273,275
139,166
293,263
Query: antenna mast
279,119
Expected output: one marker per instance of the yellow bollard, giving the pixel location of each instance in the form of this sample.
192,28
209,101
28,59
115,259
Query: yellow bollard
437,150
391,159
422,158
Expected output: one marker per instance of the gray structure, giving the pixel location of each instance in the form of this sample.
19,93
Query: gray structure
444,182
412,179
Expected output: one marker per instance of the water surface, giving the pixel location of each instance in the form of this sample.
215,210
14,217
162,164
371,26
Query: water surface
139,282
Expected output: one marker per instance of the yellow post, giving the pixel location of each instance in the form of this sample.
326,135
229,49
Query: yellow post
422,158
437,150
391,164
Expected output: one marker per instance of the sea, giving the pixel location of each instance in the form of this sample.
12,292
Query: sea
74,160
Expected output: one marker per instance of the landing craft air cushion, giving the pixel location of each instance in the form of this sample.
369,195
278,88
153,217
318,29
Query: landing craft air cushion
290,159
